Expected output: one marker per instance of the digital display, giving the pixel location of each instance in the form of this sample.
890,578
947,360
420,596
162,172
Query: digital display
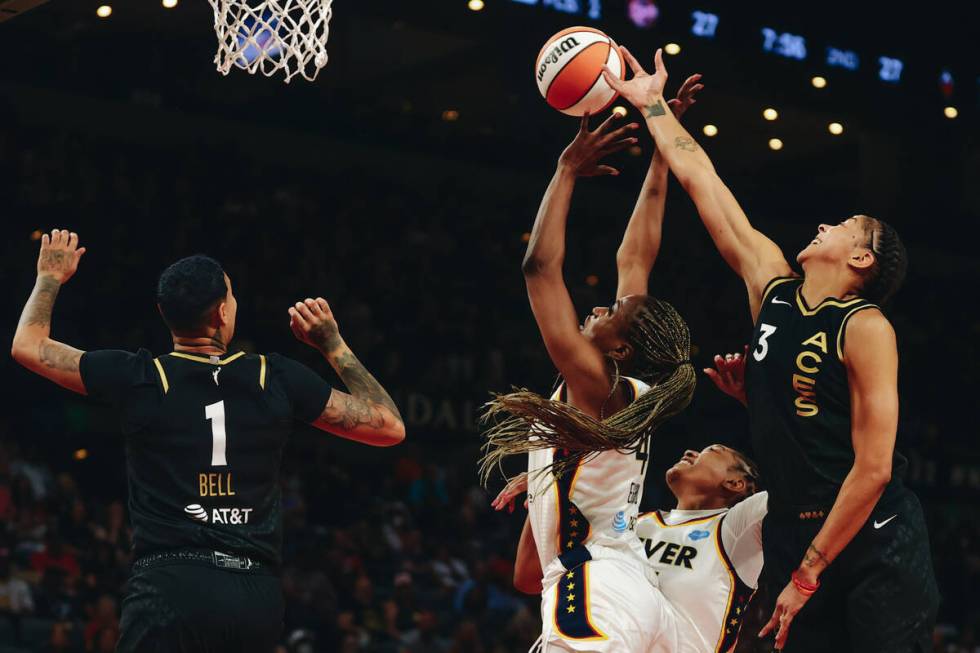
842,58
705,24
784,44
590,8
891,69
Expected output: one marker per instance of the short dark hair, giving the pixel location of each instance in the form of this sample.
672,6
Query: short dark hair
891,261
188,290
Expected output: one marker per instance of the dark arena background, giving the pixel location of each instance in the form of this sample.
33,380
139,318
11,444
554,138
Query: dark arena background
401,186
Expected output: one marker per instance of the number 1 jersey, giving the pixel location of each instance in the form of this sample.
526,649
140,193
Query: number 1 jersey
204,438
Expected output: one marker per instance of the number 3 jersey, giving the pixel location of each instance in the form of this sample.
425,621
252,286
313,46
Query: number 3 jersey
798,397
204,438
597,502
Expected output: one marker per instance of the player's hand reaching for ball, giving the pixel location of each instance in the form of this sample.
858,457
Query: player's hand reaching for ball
643,89
582,155
685,96
729,375
59,255
313,322
515,487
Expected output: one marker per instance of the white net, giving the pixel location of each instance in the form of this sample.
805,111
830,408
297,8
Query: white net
272,35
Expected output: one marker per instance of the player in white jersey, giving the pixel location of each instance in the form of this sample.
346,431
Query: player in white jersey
588,444
706,552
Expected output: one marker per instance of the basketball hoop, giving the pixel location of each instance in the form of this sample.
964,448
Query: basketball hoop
272,35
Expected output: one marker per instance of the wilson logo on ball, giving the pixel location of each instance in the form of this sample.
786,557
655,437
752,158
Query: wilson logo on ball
568,70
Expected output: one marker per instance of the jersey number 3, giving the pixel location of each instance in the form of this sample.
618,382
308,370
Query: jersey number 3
766,330
216,413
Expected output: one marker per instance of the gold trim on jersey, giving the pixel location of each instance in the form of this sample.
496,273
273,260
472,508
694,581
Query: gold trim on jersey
163,376
202,359
731,588
772,284
697,520
801,303
843,326
262,371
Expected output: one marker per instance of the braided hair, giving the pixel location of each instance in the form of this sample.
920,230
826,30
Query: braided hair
887,273
524,421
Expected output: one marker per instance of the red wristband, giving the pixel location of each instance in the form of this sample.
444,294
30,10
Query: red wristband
803,587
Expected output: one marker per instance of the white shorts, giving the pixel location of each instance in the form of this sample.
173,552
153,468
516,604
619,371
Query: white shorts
609,604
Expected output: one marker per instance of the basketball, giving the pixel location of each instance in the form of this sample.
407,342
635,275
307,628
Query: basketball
569,70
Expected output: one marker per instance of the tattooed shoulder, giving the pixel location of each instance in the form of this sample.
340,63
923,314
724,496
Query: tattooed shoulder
58,356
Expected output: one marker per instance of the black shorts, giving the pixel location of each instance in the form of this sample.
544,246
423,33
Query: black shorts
879,595
185,606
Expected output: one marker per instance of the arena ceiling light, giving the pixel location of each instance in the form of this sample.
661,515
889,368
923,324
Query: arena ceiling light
475,5
775,144
169,4
710,130
770,114
819,82
672,48
104,11
950,112
835,128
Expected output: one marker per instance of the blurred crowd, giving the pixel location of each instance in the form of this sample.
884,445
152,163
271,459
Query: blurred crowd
397,553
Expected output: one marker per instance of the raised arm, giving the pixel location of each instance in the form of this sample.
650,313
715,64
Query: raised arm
641,242
752,255
871,360
578,361
33,346
367,414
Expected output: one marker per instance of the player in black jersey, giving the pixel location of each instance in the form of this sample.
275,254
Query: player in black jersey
822,387
204,431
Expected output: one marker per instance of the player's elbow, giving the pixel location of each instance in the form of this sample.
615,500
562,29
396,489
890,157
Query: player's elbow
23,352
875,473
696,180
395,434
526,583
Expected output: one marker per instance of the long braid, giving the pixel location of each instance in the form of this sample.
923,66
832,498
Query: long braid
524,421
891,262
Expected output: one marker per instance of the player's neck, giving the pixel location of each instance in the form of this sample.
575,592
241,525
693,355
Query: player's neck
699,502
212,344
824,280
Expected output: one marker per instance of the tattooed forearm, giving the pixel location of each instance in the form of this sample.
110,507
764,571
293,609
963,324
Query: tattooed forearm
686,144
350,412
40,305
326,337
54,261
359,381
58,356
813,556
654,110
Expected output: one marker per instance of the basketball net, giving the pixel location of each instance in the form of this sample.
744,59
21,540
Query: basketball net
272,35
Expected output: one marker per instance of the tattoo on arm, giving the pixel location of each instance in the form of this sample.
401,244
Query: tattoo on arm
814,555
41,303
347,412
686,144
326,337
360,382
655,110
58,356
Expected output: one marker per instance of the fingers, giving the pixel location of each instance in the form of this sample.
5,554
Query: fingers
615,83
72,241
298,318
633,63
607,170
78,253
783,633
713,375
620,133
602,128
616,146
658,61
304,311
771,623
45,241
584,124
315,309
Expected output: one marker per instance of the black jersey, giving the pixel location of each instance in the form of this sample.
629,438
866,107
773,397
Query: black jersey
798,398
204,438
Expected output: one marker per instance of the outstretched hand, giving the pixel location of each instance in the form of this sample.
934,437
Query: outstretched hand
643,90
515,487
685,96
582,155
729,375
788,605
59,255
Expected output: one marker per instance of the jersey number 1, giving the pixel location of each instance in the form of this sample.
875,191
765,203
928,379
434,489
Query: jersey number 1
216,413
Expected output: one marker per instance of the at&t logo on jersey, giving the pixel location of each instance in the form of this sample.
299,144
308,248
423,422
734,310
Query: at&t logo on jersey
233,516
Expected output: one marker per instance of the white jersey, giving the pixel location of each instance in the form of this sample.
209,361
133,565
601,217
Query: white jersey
708,563
597,504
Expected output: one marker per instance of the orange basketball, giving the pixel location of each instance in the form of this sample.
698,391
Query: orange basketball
569,70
